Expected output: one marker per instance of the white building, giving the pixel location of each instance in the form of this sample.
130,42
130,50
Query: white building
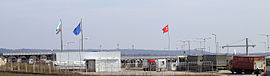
104,61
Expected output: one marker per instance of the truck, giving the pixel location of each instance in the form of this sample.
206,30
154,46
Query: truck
155,65
181,63
149,65
247,64
267,67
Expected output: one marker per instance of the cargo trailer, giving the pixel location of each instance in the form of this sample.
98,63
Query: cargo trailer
247,64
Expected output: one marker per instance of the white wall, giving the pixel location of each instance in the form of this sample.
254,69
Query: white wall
74,57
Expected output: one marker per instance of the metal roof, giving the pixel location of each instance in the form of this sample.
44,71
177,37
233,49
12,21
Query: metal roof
36,53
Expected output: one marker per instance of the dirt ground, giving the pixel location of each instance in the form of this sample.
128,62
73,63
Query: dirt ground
229,73
140,73
168,73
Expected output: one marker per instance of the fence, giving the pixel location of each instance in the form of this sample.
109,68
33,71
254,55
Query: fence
196,66
127,69
36,68
185,66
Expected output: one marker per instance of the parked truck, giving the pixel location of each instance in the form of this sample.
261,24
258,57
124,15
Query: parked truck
181,63
149,65
267,67
155,65
247,64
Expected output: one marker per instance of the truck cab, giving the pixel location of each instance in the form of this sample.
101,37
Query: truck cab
150,65
181,61
267,67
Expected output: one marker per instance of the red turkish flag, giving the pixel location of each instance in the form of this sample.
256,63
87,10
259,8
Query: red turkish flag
165,29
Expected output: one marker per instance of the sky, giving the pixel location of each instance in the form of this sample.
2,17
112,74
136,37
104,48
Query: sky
32,23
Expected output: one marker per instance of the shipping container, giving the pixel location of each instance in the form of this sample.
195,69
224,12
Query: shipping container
161,64
247,64
219,61
194,58
171,66
103,65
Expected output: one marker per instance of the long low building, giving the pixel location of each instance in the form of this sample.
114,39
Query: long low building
69,60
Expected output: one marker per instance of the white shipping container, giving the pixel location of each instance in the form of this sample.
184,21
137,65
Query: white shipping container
103,65
161,63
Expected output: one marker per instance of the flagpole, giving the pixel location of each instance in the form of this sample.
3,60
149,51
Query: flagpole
81,44
82,34
168,38
61,35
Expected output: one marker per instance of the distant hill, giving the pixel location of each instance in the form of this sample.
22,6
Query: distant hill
124,52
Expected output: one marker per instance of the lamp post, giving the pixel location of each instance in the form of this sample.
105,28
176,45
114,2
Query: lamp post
216,42
67,44
86,38
204,41
100,47
188,42
118,45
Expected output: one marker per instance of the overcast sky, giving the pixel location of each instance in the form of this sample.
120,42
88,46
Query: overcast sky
32,23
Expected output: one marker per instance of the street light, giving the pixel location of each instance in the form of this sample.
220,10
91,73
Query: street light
216,42
188,41
267,40
133,46
67,44
118,45
204,41
100,46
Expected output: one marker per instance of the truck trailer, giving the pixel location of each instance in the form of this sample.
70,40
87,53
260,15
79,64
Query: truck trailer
247,64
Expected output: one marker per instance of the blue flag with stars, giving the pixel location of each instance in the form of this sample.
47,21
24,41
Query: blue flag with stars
77,30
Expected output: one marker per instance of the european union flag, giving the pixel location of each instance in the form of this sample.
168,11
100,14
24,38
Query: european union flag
77,30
